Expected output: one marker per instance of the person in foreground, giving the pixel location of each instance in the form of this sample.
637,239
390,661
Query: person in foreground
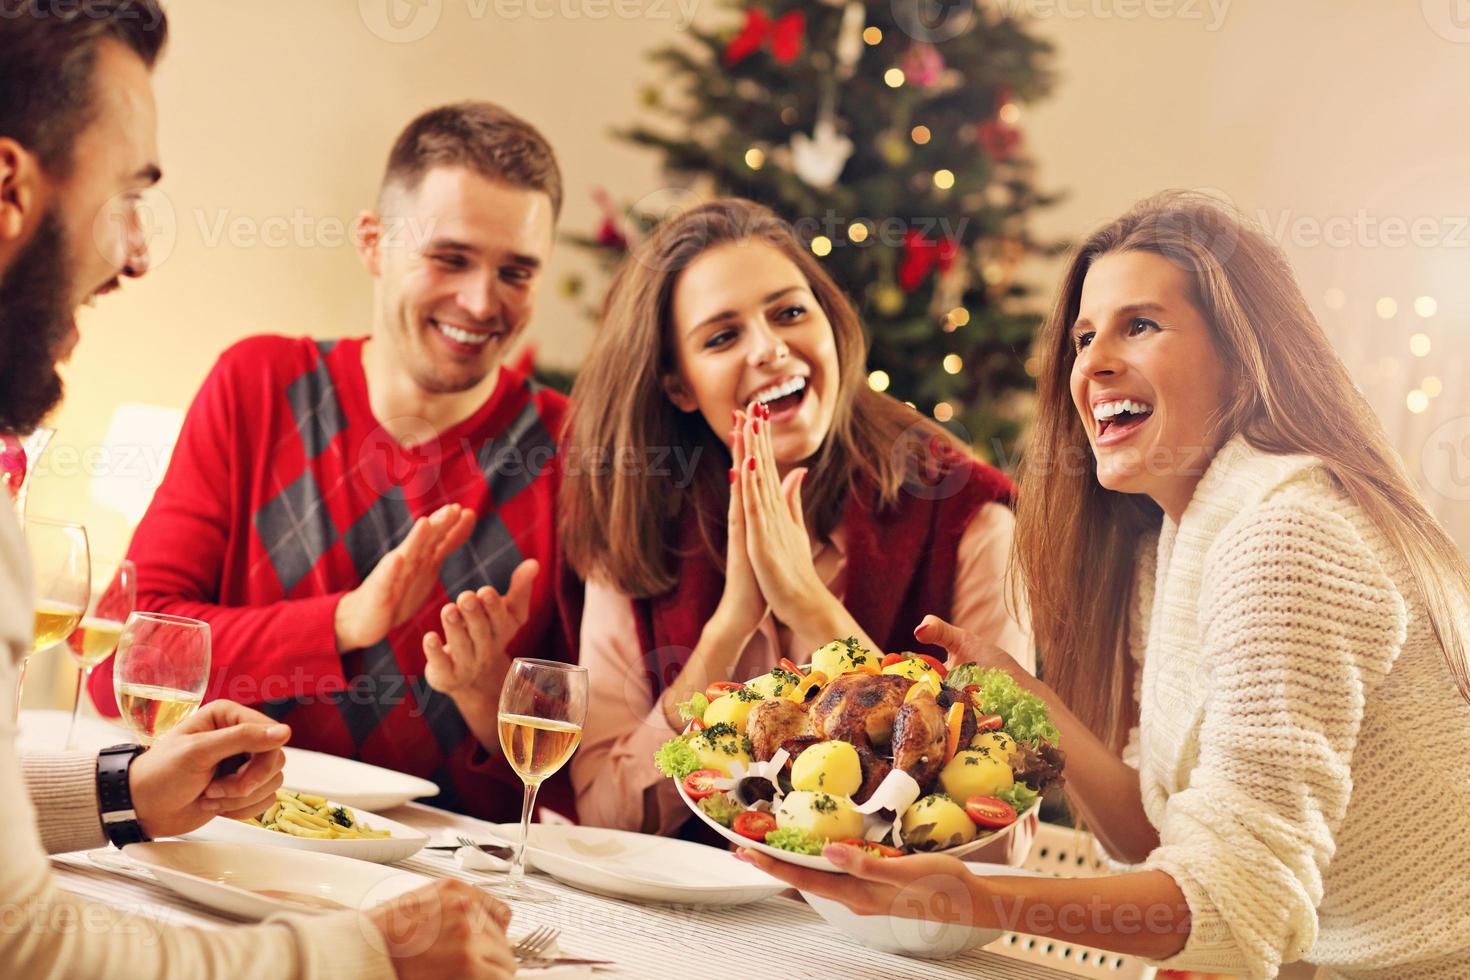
1248,592
378,490
801,514
74,157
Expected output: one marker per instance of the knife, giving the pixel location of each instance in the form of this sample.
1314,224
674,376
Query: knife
494,850
534,964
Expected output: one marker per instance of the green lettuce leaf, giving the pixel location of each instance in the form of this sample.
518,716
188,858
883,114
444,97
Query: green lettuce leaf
675,758
796,841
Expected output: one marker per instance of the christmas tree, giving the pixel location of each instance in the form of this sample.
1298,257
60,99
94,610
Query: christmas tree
887,133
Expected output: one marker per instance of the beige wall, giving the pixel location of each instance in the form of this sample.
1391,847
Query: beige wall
1338,117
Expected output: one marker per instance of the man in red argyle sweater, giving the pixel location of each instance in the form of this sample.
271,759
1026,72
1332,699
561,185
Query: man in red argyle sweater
367,524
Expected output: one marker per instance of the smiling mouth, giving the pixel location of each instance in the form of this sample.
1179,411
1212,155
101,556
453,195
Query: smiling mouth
1117,419
462,337
783,399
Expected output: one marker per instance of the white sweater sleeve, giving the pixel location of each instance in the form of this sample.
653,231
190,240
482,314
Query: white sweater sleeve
1298,625
46,932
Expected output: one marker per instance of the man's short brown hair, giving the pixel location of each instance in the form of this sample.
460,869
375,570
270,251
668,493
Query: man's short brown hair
481,136
48,56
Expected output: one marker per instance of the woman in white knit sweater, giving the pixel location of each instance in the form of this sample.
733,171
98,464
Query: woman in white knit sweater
1257,634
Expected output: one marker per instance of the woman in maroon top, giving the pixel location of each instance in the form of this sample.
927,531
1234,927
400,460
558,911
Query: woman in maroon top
735,492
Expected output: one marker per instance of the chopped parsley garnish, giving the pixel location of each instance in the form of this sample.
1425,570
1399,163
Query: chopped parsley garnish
824,804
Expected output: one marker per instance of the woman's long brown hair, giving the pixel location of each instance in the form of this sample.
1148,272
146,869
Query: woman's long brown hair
1076,542
620,512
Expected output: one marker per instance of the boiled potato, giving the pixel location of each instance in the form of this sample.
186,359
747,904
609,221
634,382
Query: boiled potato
777,684
917,670
838,658
822,815
828,767
949,826
720,745
976,773
733,708
998,744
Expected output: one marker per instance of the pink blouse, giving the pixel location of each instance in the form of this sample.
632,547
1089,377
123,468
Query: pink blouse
616,782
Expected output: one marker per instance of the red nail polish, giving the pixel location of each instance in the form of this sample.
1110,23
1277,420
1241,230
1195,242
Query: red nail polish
750,462
755,427
732,474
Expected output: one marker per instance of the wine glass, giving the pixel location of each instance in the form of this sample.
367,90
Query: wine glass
61,565
95,640
18,458
161,671
542,707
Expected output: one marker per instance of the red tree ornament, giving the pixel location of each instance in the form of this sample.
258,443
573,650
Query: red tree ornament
921,256
785,37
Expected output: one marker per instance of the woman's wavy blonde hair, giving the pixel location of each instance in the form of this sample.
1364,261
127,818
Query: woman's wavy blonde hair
1076,541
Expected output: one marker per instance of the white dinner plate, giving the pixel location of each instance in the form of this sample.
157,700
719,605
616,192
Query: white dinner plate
403,842
641,867
357,784
254,882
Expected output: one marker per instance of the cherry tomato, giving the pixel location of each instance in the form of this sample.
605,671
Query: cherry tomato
893,658
873,847
939,667
696,725
721,688
988,723
754,824
785,664
701,783
990,813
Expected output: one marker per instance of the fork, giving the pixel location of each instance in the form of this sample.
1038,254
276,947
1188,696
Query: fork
534,945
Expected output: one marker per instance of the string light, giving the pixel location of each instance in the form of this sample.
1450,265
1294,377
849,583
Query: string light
953,363
1033,366
755,158
960,316
1010,113
944,411
1387,308
1419,345
873,36
857,232
1426,307
821,246
878,381
1431,386
920,134
1417,401
893,77
944,179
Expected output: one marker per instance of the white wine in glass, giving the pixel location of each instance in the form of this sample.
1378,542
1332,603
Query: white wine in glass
100,630
61,563
542,708
161,672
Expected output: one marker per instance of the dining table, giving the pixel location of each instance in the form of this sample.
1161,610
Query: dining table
780,936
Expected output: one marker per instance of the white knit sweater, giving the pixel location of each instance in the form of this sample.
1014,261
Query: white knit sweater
46,932
1301,746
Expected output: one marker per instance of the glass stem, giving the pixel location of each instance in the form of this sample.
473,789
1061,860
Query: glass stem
76,708
518,866
20,683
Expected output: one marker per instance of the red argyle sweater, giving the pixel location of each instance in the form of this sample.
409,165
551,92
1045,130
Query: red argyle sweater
284,492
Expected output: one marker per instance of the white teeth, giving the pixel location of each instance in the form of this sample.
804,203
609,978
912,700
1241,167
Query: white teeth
463,336
1105,411
781,390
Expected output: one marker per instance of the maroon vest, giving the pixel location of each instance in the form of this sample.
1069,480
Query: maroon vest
900,567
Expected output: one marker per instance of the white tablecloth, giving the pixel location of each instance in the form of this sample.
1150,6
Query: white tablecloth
776,938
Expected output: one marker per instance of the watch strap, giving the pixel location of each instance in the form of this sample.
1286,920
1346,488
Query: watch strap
115,796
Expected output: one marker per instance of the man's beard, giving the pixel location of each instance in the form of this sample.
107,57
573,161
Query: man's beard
36,317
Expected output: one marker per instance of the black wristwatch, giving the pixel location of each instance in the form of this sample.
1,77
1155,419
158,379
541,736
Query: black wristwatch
115,796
